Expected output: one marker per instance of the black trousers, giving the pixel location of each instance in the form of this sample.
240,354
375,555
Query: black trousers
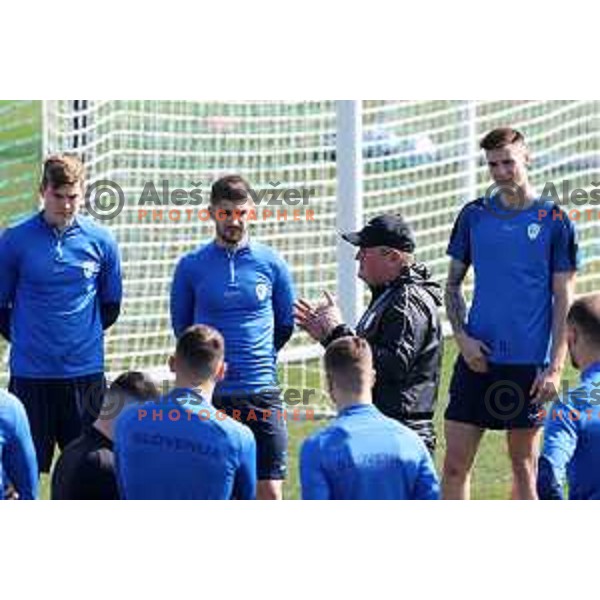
58,410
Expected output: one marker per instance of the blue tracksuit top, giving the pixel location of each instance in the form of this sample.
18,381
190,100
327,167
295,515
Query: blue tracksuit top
18,463
181,448
55,283
364,455
246,294
572,443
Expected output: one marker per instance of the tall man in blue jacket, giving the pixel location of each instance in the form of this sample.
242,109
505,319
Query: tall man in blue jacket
244,290
60,289
572,433
363,455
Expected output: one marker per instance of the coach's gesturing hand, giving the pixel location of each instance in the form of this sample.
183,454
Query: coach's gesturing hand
320,320
474,352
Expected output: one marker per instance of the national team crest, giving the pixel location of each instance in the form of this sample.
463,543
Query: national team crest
261,291
89,268
533,230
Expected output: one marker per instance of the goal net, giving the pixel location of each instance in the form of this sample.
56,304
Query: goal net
419,157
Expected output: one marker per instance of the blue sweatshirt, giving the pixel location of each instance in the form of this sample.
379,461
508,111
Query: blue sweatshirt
536,243
55,284
181,448
572,443
364,455
18,463
247,295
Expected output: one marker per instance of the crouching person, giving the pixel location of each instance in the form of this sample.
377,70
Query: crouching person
181,447
363,455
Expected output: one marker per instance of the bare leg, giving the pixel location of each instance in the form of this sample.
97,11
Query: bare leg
462,442
269,489
523,449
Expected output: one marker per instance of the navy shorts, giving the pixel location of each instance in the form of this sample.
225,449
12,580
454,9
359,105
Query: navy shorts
58,409
498,399
265,416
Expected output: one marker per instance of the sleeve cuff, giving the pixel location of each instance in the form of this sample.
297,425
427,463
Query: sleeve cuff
341,330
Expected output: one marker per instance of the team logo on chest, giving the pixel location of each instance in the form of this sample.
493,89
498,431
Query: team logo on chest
262,289
533,230
90,268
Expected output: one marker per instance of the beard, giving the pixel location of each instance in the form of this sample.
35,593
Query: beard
231,235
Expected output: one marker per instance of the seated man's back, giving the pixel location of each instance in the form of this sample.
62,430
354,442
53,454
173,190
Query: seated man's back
183,448
86,468
366,455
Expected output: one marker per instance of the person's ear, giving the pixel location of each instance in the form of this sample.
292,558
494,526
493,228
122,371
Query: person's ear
220,372
172,364
329,386
571,336
373,378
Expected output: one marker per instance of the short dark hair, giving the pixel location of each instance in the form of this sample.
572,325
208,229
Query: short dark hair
349,363
129,387
136,385
584,314
201,348
230,187
62,169
501,137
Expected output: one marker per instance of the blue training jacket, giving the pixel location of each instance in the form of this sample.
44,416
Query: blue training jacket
181,448
18,463
572,443
364,455
55,283
247,294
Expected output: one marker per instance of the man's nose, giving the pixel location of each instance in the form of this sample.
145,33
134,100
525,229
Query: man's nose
236,218
501,172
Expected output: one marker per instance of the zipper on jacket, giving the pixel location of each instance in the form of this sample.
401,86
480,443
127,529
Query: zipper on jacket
59,235
231,257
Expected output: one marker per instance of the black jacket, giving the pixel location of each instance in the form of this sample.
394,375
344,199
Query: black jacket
403,327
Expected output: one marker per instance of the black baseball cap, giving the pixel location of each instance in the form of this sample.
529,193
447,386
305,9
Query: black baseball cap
384,230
